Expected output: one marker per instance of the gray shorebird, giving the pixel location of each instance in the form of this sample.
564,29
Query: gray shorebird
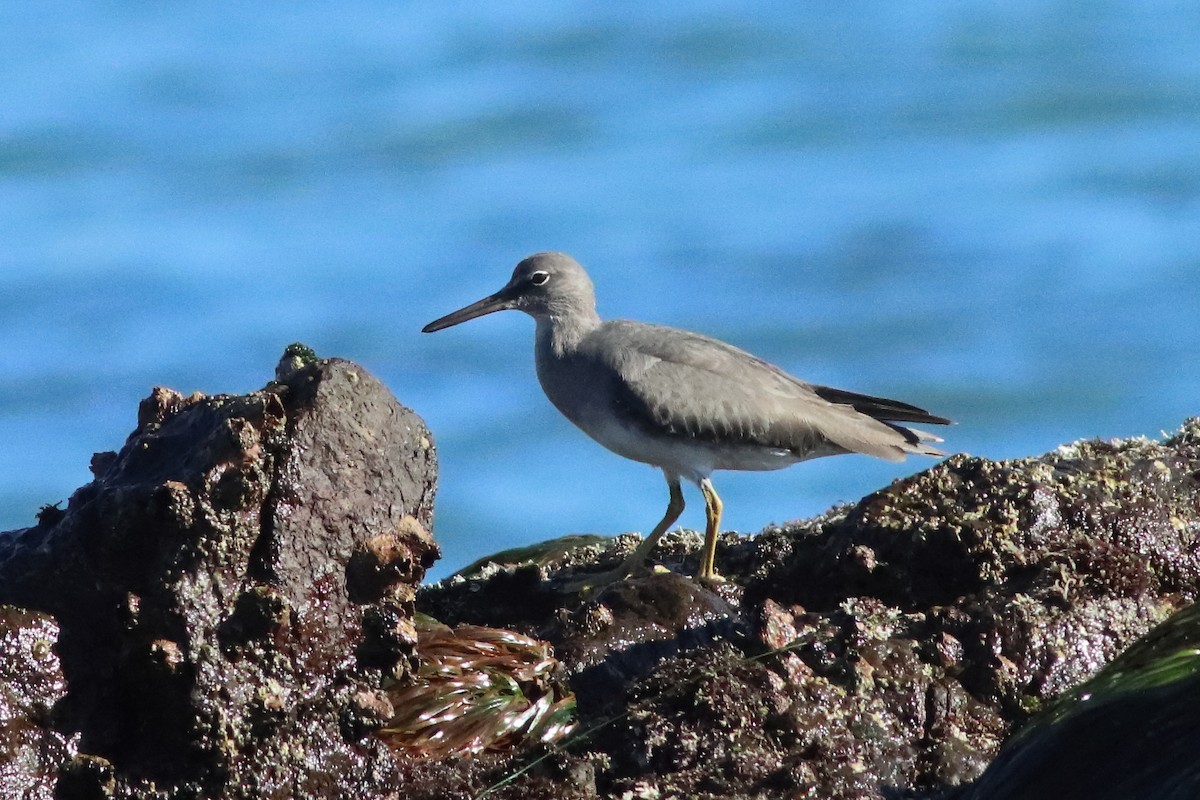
685,403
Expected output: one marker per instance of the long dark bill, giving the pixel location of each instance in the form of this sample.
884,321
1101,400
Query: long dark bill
499,301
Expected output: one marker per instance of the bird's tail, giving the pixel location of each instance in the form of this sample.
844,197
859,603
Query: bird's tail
916,438
889,413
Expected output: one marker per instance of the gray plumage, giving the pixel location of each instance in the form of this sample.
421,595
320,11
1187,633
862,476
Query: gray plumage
684,402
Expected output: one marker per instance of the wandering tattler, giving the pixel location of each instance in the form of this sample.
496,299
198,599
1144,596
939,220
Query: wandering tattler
683,402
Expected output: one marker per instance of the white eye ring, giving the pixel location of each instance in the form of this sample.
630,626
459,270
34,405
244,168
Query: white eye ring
539,278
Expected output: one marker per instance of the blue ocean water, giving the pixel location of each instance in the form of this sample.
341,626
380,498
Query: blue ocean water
990,210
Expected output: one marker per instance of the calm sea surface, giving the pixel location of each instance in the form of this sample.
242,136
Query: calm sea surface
990,210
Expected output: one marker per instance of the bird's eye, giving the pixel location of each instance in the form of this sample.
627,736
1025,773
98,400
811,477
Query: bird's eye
539,278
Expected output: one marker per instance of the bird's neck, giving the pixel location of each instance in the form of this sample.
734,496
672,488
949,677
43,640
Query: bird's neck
562,333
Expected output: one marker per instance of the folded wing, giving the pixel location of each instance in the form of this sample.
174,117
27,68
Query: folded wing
690,385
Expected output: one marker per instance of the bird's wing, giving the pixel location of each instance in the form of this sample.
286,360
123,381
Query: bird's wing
691,385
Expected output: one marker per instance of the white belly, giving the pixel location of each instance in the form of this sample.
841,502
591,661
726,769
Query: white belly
688,458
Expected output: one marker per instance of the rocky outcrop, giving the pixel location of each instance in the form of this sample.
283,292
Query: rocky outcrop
231,587
227,610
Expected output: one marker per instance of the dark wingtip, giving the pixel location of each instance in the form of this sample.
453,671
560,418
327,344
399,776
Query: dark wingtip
881,408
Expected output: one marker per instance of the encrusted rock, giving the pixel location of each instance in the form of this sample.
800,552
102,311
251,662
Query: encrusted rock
210,636
879,650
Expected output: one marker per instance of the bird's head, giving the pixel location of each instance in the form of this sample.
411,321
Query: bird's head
542,285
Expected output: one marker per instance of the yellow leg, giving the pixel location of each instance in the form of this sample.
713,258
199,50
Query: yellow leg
712,513
674,509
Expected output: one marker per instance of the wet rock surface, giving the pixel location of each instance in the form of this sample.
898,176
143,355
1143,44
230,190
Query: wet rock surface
31,686
883,650
1131,731
227,611
213,641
